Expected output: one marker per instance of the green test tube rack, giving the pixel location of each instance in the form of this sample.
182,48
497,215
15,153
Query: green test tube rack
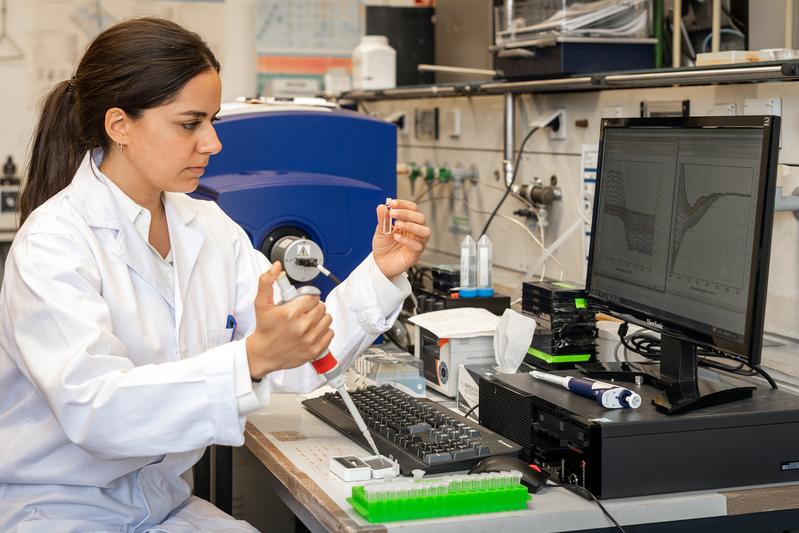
404,499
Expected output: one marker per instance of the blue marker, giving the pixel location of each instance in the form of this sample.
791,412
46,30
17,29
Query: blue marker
606,394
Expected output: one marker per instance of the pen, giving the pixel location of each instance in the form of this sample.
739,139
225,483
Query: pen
231,324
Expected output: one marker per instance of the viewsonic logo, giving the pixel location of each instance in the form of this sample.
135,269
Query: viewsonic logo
654,323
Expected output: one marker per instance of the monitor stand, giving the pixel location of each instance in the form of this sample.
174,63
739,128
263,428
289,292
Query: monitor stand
677,377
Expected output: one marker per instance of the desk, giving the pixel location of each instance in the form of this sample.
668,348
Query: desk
294,446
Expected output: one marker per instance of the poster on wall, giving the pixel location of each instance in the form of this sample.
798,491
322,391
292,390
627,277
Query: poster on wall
63,28
302,43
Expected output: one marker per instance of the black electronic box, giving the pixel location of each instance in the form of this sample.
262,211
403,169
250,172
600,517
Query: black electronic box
618,453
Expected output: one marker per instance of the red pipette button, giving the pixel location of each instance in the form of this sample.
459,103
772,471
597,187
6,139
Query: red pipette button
325,364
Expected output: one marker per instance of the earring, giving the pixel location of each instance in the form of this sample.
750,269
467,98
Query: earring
121,147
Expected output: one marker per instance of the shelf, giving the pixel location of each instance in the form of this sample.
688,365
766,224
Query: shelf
741,73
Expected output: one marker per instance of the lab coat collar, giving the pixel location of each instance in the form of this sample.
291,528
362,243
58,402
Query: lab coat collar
101,210
186,242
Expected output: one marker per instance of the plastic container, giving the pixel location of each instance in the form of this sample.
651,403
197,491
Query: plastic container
468,288
485,251
450,496
525,20
374,64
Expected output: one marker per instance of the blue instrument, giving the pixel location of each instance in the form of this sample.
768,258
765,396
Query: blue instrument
316,174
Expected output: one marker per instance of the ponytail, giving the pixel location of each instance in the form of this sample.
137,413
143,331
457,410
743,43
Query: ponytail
56,151
135,65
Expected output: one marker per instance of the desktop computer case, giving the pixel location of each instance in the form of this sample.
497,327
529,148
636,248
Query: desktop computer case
618,453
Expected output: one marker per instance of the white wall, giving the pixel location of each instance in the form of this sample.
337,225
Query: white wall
54,33
514,251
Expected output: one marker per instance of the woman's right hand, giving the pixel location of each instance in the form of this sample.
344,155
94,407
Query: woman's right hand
288,335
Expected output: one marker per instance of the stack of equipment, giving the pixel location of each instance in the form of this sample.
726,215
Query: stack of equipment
565,324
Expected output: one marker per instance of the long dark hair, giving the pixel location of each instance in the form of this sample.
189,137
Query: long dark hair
135,65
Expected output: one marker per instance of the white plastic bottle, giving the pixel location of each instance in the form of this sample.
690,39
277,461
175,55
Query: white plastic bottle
485,251
468,287
374,64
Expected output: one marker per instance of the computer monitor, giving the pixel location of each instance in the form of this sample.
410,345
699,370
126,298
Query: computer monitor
681,238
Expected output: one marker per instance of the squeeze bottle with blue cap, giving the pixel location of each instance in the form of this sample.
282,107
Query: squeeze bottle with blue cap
468,287
326,365
484,264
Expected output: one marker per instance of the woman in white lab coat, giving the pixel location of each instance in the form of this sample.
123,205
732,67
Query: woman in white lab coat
118,365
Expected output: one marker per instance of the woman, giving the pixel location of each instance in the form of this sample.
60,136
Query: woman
117,367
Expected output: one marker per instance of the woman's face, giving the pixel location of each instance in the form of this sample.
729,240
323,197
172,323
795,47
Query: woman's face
169,145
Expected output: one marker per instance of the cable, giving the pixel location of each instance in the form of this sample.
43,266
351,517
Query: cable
329,275
475,406
509,219
512,180
648,345
586,494
427,191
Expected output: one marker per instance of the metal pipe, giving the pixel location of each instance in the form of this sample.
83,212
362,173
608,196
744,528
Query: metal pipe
784,72
676,35
787,203
509,15
696,76
716,41
456,70
510,125
583,82
789,14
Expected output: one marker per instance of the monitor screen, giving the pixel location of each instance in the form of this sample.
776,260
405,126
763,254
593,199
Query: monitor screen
682,220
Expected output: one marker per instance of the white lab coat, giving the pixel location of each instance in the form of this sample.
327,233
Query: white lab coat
112,381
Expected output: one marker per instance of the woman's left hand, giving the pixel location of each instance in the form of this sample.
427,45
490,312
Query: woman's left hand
399,250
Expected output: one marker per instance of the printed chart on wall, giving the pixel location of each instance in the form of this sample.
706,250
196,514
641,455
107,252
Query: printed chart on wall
299,41
63,28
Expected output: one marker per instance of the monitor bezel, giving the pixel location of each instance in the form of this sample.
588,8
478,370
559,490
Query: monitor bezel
750,347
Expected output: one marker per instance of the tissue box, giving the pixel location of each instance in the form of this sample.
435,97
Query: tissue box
442,357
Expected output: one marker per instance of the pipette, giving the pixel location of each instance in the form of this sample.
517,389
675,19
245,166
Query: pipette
326,365
606,394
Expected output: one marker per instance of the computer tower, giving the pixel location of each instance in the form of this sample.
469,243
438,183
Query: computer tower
617,453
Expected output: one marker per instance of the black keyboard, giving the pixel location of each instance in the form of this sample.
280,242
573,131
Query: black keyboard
418,433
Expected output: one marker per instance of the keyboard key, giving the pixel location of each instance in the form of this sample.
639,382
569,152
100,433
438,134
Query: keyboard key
465,453
435,458
418,428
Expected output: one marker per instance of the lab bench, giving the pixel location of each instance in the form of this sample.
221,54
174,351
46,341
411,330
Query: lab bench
286,454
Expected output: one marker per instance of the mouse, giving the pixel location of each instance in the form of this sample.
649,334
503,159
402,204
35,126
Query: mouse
533,477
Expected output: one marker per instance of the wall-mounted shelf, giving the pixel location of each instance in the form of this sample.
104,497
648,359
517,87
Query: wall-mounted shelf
741,73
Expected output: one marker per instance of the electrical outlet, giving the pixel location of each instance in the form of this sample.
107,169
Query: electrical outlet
763,106
557,131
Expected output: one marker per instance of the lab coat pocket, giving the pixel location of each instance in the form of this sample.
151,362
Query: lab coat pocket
217,337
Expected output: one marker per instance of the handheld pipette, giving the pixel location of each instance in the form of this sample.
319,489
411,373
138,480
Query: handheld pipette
326,365
606,394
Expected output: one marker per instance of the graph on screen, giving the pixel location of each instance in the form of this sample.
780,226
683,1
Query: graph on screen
712,225
632,191
639,227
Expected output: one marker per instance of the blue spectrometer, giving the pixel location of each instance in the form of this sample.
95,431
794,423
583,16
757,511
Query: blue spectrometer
303,183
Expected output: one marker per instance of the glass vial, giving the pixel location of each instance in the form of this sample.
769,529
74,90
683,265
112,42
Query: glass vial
485,252
468,268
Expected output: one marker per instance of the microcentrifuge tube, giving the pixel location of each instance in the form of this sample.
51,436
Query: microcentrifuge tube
387,225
